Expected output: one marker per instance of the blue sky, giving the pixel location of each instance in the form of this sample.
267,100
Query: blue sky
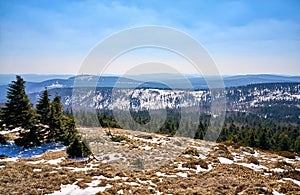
243,37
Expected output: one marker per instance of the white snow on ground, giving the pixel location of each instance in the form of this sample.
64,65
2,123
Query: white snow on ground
278,170
160,174
13,151
109,179
200,169
181,174
225,160
253,166
9,160
11,131
146,182
132,183
145,147
293,180
111,157
276,193
55,161
76,190
76,169
36,162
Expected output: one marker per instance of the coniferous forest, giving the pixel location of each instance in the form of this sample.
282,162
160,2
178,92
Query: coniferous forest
47,122
43,124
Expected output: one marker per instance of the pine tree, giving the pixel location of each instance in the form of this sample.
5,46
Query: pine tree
17,111
251,141
55,122
263,142
2,140
43,108
69,130
77,149
297,145
30,138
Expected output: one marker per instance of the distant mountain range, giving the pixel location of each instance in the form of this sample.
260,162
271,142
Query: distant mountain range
37,83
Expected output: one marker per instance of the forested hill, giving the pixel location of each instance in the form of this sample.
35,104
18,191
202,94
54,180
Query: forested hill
244,98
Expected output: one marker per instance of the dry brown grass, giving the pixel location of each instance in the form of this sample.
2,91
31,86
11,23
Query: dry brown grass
253,160
192,164
191,151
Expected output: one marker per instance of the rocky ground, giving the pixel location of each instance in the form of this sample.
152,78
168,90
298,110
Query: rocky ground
128,162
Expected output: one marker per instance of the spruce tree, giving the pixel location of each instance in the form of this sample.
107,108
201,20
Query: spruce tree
251,141
77,149
43,108
55,122
2,139
17,111
263,142
30,138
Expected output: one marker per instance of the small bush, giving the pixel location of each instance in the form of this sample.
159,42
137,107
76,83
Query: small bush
77,149
2,140
253,160
287,154
192,164
191,151
118,138
283,165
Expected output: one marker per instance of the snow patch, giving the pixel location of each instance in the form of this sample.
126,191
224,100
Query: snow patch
253,166
76,190
181,174
225,160
14,151
276,193
55,161
292,180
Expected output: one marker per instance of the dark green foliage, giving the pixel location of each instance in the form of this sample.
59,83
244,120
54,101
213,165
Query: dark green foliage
46,125
43,108
251,141
17,111
77,149
141,117
172,122
202,128
297,145
106,119
115,138
30,138
2,140
263,141
69,130
55,122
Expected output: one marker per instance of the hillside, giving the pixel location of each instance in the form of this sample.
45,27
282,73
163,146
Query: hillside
202,168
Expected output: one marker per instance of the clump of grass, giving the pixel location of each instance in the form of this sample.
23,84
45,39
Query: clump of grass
192,164
287,154
253,160
222,151
145,136
283,165
191,151
115,138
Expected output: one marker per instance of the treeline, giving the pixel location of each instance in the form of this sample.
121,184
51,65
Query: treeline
250,129
46,123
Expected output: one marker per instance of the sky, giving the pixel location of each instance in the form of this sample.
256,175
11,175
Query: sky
242,37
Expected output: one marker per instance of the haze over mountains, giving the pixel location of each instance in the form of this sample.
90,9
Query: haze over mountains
37,83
